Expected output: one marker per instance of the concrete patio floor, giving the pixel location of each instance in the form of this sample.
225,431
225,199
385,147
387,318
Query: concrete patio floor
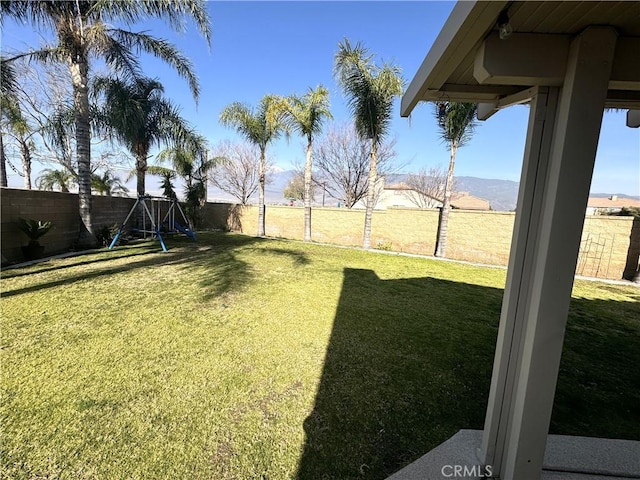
566,458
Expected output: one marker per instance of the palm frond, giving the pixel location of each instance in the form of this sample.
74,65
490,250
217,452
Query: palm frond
242,118
7,77
306,114
174,12
161,49
370,89
118,55
49,179
458,123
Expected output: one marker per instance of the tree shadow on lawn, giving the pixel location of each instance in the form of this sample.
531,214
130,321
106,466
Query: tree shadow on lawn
224,271
55,264
409,364
216,253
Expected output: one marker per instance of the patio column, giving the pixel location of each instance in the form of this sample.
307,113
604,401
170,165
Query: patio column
562,138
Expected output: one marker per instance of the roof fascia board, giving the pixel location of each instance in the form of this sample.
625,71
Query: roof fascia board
467,24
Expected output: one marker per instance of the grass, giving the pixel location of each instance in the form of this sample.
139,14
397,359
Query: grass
242,358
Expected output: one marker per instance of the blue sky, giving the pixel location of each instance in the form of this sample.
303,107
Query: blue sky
286,47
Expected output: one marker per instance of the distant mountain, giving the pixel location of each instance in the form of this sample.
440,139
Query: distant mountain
619,195
502,194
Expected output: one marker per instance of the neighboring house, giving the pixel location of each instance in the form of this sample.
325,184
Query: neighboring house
608,205
464,201
401,195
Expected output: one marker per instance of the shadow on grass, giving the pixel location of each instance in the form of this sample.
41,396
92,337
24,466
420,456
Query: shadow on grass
70,279
47,267
217,255
409,364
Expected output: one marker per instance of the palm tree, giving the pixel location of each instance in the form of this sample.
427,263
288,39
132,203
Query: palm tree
140,116
84,30
107,184
456,122
370,92
259,127
7,90
190,160
167,175
20,130
51,179
306,115
193,164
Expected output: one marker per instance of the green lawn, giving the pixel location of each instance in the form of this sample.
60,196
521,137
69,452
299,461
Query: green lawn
242,358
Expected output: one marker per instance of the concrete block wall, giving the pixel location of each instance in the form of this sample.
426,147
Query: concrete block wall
483,237
610,246
59,208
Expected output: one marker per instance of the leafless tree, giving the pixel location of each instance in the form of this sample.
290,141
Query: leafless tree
342,163
238,170
44,96
295,187
426,187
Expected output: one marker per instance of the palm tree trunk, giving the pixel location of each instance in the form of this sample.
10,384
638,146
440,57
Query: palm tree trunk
261,207
205,180
141,171
79,74
3,165
371,194
26,163
443,220
307,194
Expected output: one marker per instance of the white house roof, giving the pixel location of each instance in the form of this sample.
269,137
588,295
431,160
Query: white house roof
461,66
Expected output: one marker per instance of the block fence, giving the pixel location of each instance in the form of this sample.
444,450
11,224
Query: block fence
610,246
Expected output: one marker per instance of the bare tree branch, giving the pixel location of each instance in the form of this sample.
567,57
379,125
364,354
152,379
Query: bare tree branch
342,163
426,188
238,170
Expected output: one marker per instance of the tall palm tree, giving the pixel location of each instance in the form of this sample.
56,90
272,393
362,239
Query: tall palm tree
190,160
20,130
84,30
140,117
370,90
260,127
456,123
7,91
307,115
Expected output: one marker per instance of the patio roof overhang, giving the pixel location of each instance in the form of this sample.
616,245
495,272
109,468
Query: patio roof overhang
570,61
468,62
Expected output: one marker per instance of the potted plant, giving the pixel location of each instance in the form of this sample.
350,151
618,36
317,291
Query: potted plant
34,229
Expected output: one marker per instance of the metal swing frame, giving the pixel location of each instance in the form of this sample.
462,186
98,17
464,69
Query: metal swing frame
151,213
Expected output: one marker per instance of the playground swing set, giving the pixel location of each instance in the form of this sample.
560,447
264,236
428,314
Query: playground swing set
152,208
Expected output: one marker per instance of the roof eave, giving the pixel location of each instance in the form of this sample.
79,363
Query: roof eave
468,24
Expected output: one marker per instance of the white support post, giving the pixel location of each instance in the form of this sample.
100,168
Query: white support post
556,178
534,172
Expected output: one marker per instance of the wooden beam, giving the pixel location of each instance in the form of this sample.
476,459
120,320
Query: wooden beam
523,59
625,72
540,59
486,110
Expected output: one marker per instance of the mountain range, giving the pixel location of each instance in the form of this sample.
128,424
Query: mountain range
502,194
